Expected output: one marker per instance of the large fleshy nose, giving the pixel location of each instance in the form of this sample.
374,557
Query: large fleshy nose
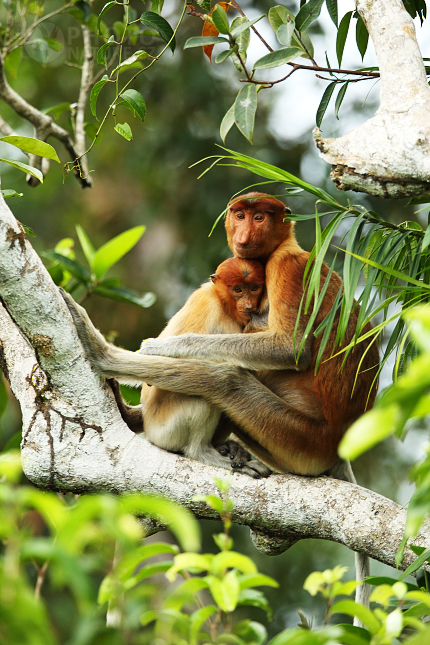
242,236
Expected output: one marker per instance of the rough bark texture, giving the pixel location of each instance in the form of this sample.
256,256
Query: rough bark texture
389,155
75,439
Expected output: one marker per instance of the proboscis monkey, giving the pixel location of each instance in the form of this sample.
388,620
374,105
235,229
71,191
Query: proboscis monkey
290,417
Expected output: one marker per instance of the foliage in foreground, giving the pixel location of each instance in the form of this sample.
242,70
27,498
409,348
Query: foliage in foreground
50,544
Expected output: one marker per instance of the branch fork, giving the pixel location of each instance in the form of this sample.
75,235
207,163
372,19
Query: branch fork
389,155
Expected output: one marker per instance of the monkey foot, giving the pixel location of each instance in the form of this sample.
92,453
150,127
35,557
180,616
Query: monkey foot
242,461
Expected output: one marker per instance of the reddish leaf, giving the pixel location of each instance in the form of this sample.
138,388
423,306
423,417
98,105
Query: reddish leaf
209,29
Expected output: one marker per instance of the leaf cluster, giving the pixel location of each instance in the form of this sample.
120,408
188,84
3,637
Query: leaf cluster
74,276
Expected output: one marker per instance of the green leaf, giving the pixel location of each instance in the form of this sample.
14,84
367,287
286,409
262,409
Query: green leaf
415,565
332,10
341,36
242,42
279,15
3,395
101,54
352,608
86,244
136,100
306,42
107,6
222,56
126,295
232,559
285,33
277,58
96,91
24,168
34,146
254,598
250,632
339,99
9,192
75,268
57,110
131,60
220,20
124,130
324,102
202,41
204,4
244,25
161,25
256,580
426,240
367,431
245,107
227,123
111,252
225,592
198,618
308,13
362,36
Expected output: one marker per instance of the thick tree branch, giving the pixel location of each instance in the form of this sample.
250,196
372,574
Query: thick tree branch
389,155
75,440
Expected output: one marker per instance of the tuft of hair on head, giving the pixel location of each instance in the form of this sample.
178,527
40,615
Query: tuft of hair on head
237,270
263,201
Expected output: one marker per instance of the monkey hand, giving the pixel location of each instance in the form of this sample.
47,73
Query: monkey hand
167,346
242,460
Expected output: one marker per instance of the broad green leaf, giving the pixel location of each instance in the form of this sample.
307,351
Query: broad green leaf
34,146
161,25
308,13
204,4
305,43
24,168
324,102
255,598
95,93
242,42
367,431
86,244
202,41
157,6
129,563
277,58
111,252
339,99
341,36
352,608
75,268
244,25
416,565
126,295
136,101
245,107
124,130
332,10
220,20
232,559
250,632
131,60
189,561
57,110
9,192
362,36
285,33
106,7
222,56
256,580
225,592
227,123
198,618
279,15
101,54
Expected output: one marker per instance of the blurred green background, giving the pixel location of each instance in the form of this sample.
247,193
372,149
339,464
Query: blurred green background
149,181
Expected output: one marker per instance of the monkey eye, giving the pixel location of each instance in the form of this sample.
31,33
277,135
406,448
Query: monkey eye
237,289
259,217
255,287
240,215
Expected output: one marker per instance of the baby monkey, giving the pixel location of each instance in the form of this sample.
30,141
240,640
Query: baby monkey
187,424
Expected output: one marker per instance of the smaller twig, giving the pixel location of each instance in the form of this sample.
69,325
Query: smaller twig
41,571
257,33
297,35
86,83
317,68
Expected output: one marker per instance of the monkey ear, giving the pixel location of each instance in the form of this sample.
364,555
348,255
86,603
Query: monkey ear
287,210
214,277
